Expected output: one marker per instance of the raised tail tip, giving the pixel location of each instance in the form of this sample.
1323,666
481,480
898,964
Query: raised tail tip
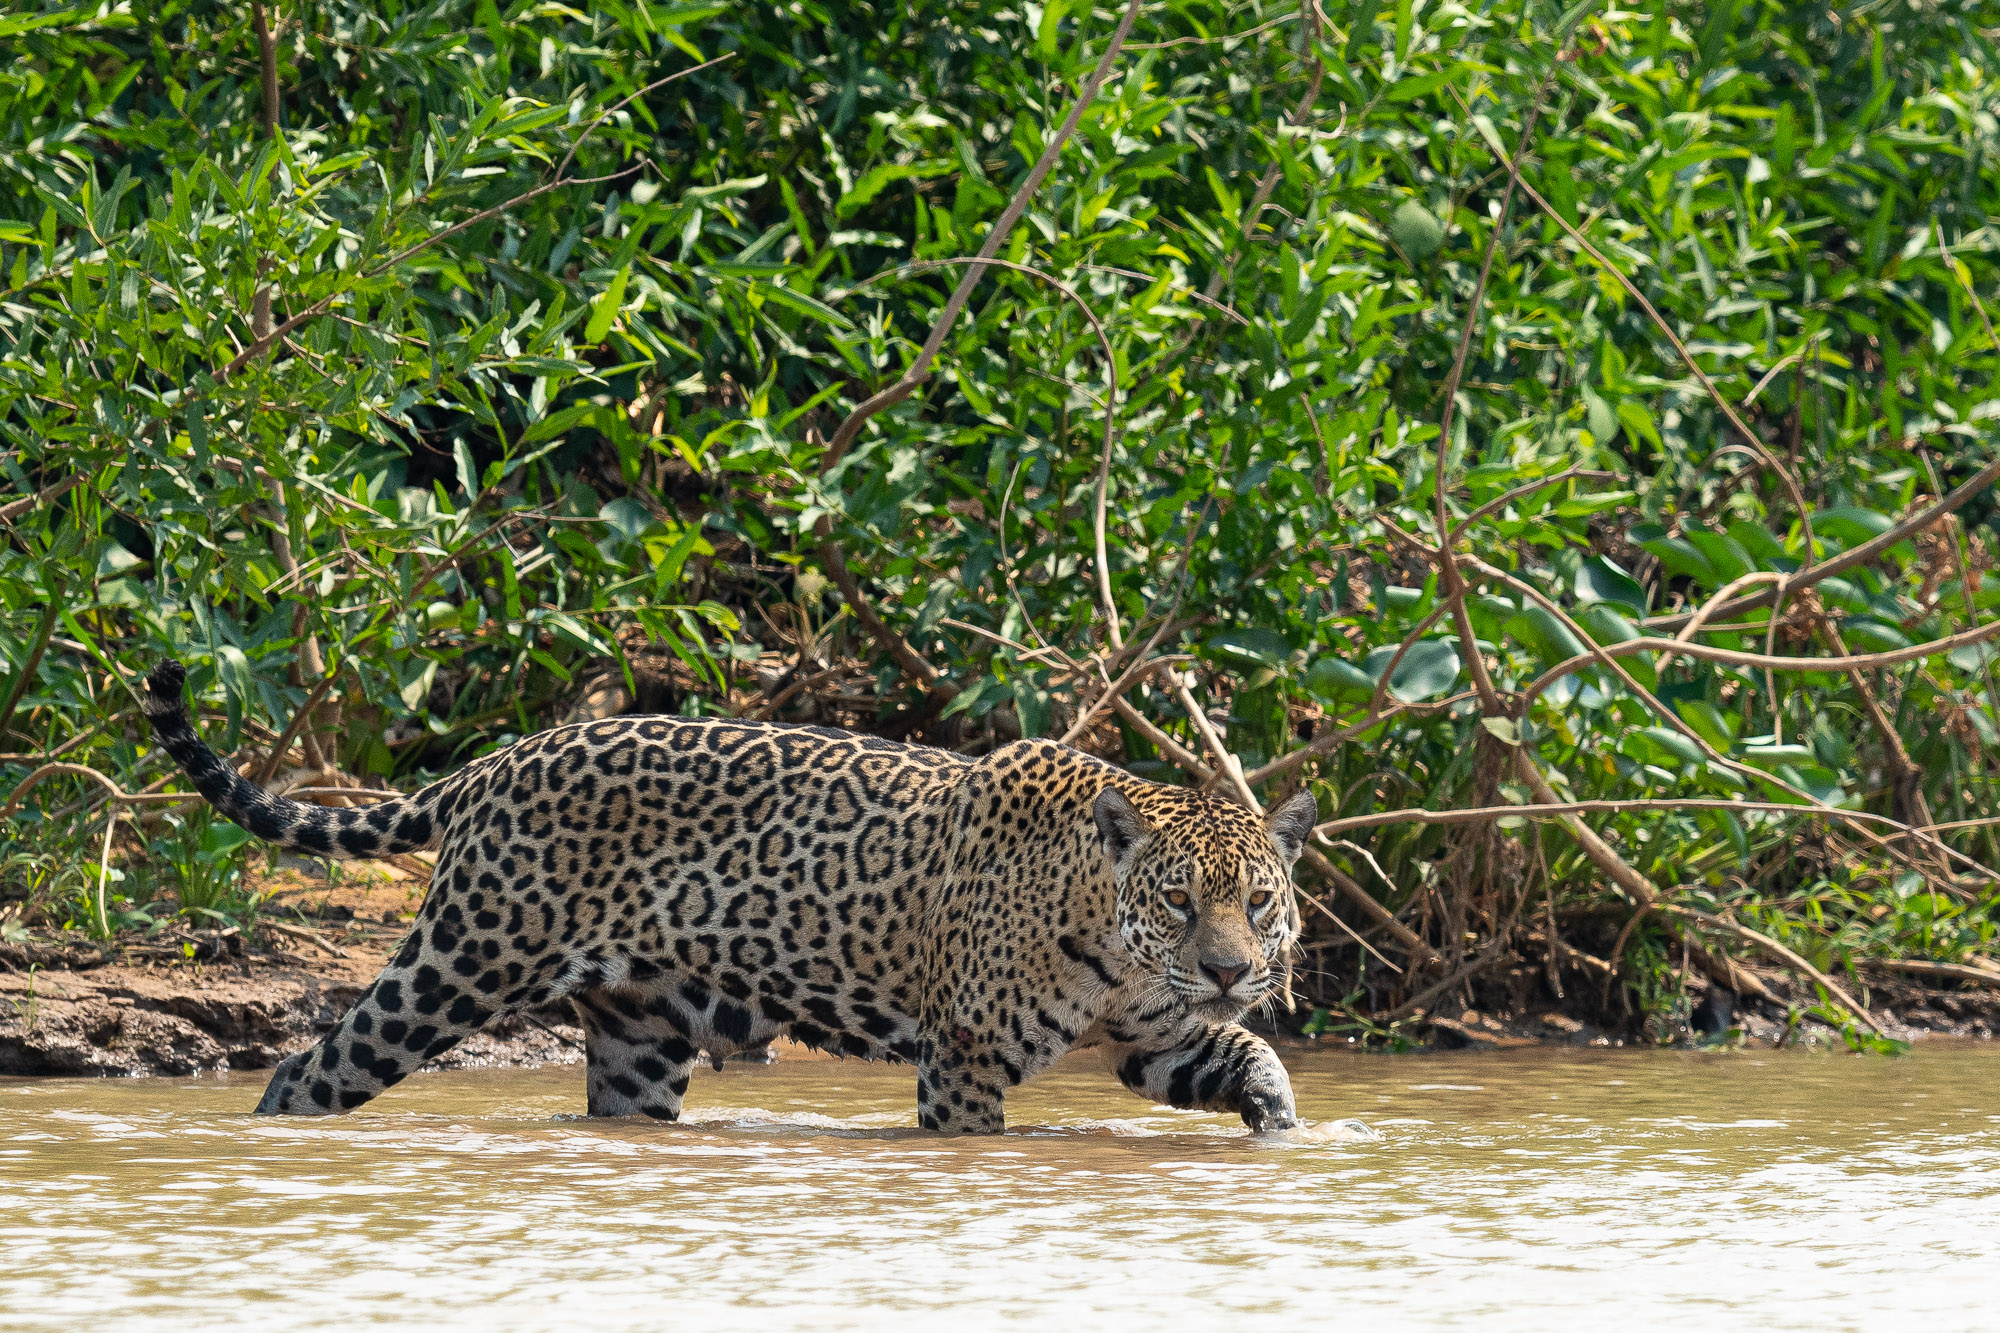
163,689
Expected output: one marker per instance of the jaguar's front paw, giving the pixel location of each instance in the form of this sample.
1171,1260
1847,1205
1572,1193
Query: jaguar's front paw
1269,1109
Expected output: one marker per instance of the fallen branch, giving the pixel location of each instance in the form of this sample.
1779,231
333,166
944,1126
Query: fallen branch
301,933
1923,967
1780,952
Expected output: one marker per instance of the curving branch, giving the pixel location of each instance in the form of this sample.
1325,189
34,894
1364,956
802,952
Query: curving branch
29,783
908,659
1483,813
1847,560
1735,657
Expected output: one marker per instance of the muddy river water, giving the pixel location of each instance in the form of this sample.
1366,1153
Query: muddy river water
1513,1189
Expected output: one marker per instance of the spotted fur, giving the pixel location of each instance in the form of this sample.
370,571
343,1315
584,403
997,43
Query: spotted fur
699,887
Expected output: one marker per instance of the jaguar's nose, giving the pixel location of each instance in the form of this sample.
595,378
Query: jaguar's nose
1224,973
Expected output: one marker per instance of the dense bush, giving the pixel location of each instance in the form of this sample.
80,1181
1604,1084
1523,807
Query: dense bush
441,362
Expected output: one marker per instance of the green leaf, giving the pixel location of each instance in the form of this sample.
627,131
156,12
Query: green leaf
1676,554
1671,743
1249,647
1772,757
1873,636
556,423
1599,417
1724,554
468,473
1599,580
115,561
1707,719
1550,639
630,518
1850,526
1416,230
1332,680
605,308
1427,671
1049,29
1605,625
810,306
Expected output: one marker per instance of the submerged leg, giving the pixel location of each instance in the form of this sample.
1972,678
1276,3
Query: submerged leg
410,1014
638,1057
1225,1068
456,972
959,1089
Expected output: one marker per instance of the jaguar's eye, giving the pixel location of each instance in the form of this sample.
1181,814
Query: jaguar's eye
1178,898
1260,898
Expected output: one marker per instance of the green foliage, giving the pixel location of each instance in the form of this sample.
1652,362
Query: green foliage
595,416
205,857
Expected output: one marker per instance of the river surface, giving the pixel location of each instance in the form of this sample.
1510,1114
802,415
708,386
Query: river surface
1507,1190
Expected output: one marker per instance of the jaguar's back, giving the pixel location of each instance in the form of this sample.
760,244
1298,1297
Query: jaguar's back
691,885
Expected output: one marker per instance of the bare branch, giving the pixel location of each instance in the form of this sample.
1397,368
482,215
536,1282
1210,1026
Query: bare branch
844,435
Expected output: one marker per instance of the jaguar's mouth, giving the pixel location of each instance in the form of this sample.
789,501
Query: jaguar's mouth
1216,1009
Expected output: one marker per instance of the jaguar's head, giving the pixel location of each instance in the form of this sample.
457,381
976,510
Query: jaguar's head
1204,891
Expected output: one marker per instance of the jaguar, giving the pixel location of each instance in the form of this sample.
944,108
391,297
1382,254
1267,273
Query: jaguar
695,887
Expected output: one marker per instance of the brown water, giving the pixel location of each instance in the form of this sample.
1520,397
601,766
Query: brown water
1507,1190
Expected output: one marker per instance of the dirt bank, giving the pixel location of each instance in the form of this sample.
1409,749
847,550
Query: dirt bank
187,1002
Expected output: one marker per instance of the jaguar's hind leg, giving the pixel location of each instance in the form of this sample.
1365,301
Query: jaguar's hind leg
456,972
638,1057
410,1014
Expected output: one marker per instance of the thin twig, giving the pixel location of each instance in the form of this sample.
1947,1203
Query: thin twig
27,784
1480,814
1133,675
1923,967
1734,657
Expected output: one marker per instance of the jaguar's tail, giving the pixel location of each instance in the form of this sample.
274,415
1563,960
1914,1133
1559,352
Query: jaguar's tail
381,830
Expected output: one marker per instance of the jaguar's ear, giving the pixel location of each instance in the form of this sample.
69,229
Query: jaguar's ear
1120,827
1291,824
